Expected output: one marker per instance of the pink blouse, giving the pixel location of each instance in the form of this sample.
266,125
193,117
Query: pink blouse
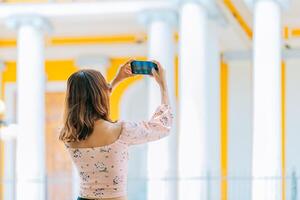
103,170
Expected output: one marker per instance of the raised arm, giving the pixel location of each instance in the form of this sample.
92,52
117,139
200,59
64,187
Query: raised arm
160,123
157,127
160,78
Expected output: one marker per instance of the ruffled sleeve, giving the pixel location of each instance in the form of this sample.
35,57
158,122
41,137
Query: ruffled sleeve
157,127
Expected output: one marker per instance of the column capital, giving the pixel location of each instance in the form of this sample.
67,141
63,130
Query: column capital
148,16
210,5
283,3
212,9
40,22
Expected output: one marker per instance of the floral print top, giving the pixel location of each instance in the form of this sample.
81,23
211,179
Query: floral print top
103,170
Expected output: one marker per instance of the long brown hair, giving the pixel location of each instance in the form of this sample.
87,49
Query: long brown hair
87,100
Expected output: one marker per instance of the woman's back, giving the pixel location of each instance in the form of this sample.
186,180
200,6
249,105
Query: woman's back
102,159
101,162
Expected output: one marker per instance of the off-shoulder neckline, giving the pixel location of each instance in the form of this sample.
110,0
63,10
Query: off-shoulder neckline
117,140
99,147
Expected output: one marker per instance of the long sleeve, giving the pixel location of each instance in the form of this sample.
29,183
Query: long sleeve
146,131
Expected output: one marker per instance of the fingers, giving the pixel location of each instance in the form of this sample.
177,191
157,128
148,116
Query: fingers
130,61
127,67
154,73
128,70
160,68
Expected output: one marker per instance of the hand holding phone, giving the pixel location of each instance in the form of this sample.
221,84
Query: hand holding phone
143,67
159,75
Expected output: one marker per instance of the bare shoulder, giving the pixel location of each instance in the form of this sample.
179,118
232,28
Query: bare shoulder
108,129
117,126
104,133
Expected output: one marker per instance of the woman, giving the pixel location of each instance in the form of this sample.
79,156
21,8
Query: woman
97,145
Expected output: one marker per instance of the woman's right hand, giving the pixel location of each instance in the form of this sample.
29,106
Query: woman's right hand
159,75
161,80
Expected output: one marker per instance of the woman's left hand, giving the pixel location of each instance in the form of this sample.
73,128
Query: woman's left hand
123,73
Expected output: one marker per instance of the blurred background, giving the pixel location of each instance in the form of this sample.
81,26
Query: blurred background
233,77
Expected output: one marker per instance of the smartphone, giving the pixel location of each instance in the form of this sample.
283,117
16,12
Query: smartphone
143,67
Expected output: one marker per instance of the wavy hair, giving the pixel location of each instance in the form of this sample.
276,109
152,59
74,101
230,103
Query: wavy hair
87,100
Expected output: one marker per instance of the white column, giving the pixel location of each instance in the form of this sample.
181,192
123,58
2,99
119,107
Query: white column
8,135
161,43
9,168
31,168
193,87
267,116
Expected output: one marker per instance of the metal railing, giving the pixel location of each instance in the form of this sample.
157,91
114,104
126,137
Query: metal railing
238,187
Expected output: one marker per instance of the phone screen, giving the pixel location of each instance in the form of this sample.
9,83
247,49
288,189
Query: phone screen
142,67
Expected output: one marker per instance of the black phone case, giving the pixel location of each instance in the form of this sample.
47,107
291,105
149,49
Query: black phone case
143,67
